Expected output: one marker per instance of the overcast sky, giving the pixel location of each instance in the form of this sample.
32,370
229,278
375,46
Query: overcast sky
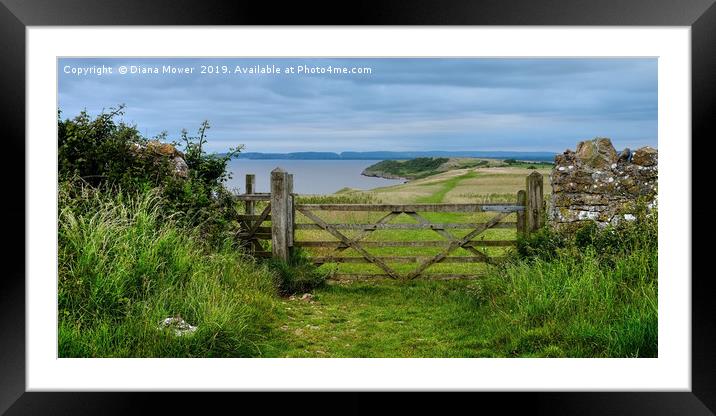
403,104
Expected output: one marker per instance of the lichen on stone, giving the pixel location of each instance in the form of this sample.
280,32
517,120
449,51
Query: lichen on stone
601,185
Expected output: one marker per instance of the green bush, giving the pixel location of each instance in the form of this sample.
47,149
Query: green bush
297,275
544,243
103,152
100,150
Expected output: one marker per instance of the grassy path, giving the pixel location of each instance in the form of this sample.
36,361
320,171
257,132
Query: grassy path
552,310
382,319
446,186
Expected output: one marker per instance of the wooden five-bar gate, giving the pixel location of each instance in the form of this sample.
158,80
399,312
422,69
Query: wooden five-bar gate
279,238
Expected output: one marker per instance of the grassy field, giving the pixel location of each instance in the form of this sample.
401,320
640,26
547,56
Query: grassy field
480,318
495,184
573,306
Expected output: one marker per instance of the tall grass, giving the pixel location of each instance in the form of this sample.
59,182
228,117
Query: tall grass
594,295
575,307
124,266
298,274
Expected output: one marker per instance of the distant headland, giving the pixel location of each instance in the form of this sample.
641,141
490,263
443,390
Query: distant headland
391,155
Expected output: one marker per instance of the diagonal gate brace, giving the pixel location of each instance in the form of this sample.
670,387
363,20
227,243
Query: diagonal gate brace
347,241
455,244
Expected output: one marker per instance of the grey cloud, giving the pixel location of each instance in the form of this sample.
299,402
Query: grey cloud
516,104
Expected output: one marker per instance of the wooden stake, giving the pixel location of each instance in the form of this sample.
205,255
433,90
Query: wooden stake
279,213
535,202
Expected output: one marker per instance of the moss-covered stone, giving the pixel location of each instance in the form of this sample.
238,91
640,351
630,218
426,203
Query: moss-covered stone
597,184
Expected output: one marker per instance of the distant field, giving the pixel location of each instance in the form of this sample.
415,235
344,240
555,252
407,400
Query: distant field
494,184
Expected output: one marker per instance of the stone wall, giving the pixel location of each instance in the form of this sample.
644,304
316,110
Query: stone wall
597,183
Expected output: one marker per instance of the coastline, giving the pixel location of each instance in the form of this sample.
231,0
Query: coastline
384,175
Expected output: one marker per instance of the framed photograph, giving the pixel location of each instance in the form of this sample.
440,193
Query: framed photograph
434,198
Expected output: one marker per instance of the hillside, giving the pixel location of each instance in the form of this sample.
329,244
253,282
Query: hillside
426,166
407,169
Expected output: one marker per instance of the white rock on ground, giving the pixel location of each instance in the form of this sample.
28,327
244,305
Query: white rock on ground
179,325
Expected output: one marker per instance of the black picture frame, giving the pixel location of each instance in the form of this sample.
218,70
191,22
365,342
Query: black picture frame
16,15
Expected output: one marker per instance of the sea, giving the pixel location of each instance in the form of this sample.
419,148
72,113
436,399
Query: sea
318,177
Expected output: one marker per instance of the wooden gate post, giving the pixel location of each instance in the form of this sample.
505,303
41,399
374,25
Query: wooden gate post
291,210
535,204
522,201
280,209
250,189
